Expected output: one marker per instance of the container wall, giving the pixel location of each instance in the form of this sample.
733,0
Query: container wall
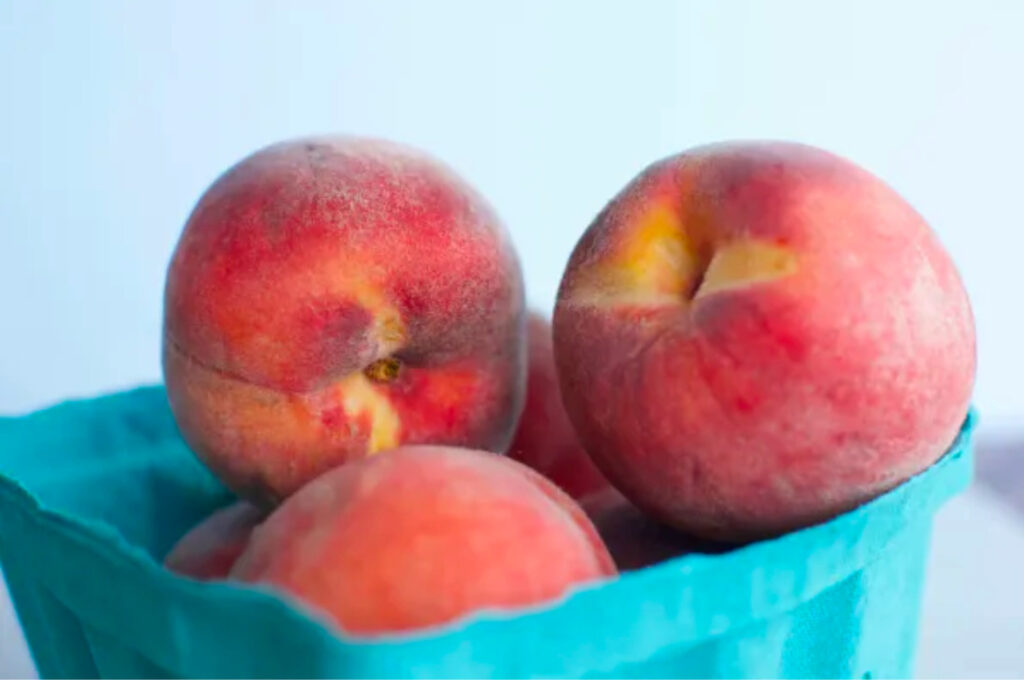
92,493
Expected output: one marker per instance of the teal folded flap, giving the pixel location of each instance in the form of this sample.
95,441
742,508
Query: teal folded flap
117,459
93,493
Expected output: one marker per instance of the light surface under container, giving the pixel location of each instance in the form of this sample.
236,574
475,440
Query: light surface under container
93,493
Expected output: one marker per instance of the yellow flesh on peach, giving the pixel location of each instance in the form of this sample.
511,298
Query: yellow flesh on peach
359,397
742,263
659,261
654,266
346,281
284,418
387,321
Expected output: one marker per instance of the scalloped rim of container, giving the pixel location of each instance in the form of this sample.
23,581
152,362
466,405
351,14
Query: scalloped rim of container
770,577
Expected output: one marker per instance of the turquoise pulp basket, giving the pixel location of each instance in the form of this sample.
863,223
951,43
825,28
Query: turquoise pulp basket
93,494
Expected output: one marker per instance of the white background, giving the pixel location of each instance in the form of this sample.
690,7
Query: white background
115,116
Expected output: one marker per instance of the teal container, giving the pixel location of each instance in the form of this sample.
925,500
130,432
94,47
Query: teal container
94,493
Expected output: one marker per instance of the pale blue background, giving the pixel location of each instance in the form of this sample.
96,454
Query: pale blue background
115,116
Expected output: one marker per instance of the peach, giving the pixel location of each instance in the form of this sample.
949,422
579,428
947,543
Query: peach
422,535
634,539
331,298
210,549
544,438
755,336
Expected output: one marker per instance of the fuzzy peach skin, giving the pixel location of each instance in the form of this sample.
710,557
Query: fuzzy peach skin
210,549
331,298
634,539
421,535
755,336
544,438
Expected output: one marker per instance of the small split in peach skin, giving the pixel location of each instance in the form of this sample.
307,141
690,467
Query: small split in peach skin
756,336
545,439
209,550
422,535
331,298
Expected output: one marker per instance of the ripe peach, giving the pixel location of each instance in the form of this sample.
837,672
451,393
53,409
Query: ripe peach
422,535
753,337
544,439
334,297
210,549
634,539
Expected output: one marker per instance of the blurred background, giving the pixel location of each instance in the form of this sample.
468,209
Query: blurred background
115,116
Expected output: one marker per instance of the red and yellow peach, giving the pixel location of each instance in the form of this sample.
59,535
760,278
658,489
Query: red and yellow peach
754,337
331,298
